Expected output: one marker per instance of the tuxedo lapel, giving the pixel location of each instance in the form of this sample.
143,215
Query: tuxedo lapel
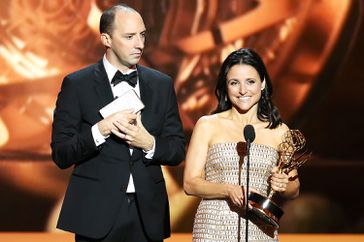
146,95
102,86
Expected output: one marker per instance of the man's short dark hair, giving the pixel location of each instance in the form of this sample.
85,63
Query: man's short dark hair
108,16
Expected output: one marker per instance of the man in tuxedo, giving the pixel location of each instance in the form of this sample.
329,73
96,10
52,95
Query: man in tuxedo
117,191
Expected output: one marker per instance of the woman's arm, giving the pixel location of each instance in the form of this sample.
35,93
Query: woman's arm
194,174
288,185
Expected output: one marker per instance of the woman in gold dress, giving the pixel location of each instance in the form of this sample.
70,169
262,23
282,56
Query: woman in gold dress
214,160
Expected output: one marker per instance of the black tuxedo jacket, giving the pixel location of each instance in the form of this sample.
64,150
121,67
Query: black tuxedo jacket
100,177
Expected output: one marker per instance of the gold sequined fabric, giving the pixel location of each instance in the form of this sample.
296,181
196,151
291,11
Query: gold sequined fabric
218,219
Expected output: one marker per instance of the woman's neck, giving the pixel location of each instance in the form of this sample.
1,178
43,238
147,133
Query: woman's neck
249,117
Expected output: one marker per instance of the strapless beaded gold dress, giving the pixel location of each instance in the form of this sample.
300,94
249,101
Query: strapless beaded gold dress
217,219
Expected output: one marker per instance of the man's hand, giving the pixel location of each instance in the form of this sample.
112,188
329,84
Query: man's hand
133,132
107,124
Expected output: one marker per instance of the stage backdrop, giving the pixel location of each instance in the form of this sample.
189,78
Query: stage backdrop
313,50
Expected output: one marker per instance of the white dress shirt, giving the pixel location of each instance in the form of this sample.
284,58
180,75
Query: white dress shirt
118,90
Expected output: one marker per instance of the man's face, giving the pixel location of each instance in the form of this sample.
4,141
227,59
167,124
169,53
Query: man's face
127,40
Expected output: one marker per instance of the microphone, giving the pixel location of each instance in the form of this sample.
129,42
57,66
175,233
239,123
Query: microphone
249,136
249,133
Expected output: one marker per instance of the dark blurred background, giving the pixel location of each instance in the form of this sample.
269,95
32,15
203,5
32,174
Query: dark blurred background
334,129
313,51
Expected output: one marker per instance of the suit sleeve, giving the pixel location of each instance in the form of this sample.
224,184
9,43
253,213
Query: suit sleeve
170,144
72,140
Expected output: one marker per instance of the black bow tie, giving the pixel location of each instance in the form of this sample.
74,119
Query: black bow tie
129,78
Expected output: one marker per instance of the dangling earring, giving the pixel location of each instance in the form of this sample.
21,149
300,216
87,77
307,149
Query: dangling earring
226,99
263,85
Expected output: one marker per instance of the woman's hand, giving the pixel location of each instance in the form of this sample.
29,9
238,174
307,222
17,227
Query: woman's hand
279,181
236,194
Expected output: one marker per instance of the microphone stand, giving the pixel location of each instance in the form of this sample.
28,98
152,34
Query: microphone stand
248,142
241,162
249,136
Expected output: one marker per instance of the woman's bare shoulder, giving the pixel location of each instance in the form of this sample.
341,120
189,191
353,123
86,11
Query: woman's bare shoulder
281,129
209,125
273,137
208,120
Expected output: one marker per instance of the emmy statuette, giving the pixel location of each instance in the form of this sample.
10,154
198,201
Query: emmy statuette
263,207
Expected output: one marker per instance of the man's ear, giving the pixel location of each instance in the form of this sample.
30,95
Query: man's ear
106,39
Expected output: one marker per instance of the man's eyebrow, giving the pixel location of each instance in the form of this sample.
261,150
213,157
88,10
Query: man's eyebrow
134,33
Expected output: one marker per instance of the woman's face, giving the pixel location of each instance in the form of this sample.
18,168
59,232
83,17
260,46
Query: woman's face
244,86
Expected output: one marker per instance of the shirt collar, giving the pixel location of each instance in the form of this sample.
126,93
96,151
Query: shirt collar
111,70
